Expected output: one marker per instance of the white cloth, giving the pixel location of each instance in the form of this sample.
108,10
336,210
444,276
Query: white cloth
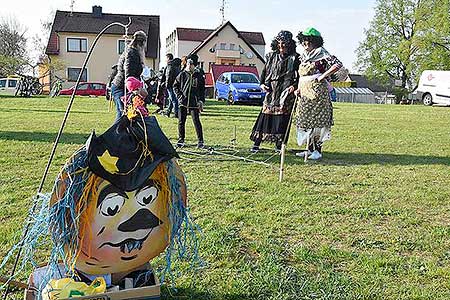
317,134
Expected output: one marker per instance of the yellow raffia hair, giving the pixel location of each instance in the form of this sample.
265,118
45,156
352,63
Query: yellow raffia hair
86,210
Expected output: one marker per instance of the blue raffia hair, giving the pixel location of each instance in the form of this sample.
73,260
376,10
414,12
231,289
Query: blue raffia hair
61,222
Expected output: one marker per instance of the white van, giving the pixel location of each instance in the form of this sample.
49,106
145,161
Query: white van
8,86
434,87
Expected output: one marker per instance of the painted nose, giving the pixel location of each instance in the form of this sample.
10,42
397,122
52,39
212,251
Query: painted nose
142,219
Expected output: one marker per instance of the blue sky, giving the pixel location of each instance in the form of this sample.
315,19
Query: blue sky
341,23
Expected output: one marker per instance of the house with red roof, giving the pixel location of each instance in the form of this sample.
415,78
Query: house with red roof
73,33
219,50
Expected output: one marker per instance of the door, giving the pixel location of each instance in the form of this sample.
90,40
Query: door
98,89
83,89
443,88
220,86
2,86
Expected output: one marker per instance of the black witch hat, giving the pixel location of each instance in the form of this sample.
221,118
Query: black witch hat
129,151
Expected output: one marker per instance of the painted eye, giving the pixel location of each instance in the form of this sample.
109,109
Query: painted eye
111,205
147,195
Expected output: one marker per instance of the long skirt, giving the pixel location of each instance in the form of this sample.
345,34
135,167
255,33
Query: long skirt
271,128
314,113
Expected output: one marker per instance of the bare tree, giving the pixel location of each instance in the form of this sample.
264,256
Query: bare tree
13,46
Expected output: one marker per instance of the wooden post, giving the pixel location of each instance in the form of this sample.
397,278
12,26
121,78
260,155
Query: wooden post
283,154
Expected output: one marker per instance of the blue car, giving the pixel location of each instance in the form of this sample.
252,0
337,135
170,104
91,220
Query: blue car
239,87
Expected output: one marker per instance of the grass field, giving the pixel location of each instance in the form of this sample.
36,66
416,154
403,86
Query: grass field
369,221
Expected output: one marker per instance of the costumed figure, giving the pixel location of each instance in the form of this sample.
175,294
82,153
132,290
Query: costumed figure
119,201
278,80
189,87
131,64
314,111
135,100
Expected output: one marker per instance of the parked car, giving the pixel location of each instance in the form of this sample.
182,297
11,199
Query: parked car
434,87
240,87
8,85
87,89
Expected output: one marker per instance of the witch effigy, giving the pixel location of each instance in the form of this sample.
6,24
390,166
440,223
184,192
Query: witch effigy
118,202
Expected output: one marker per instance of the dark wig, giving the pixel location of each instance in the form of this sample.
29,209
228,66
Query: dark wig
316,41
291,46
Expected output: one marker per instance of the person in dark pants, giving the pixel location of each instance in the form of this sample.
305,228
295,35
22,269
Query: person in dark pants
189,88
131,64
170,73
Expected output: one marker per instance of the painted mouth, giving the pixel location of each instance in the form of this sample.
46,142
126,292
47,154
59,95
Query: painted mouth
128,245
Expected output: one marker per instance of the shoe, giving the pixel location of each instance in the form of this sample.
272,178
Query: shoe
254,149
315,155
303,153
200,145
180,144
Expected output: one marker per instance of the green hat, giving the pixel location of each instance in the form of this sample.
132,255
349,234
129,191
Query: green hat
310,31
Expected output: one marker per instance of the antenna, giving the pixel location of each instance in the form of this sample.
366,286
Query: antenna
72,3
222,10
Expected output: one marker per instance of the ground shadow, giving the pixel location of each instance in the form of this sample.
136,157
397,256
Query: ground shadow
27,110
230,115
228,153
348,158
48,137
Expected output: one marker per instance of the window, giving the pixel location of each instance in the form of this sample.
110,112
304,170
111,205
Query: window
201,64
76,45
2,83
12,83
120,46
244,78
223,46
232,46
252,65
83,87
97,86
72,74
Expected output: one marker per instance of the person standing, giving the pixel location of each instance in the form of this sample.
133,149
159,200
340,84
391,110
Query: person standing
278,80
130,64
170,73
314,113
189,87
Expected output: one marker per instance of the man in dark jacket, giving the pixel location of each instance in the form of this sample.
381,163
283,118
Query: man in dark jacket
170,73
189,87
131,64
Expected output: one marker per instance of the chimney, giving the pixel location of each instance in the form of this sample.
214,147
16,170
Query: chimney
97,11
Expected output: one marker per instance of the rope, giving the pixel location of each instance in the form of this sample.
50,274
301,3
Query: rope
55,144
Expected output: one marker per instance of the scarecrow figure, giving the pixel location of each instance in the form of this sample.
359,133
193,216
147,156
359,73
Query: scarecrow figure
119,202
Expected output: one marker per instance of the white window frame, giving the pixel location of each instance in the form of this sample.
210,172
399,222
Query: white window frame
73,67
118,46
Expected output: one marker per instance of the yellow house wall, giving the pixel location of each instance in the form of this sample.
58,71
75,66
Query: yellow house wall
103,57
228,35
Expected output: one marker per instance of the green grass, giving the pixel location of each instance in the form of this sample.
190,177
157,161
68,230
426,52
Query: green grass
369,221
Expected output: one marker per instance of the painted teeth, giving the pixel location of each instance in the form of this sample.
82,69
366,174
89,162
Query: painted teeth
130,246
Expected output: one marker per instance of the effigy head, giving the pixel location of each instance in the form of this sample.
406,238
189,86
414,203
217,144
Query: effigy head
119,200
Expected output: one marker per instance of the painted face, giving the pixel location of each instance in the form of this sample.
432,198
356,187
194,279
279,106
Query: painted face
127,229
282,47
307,45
